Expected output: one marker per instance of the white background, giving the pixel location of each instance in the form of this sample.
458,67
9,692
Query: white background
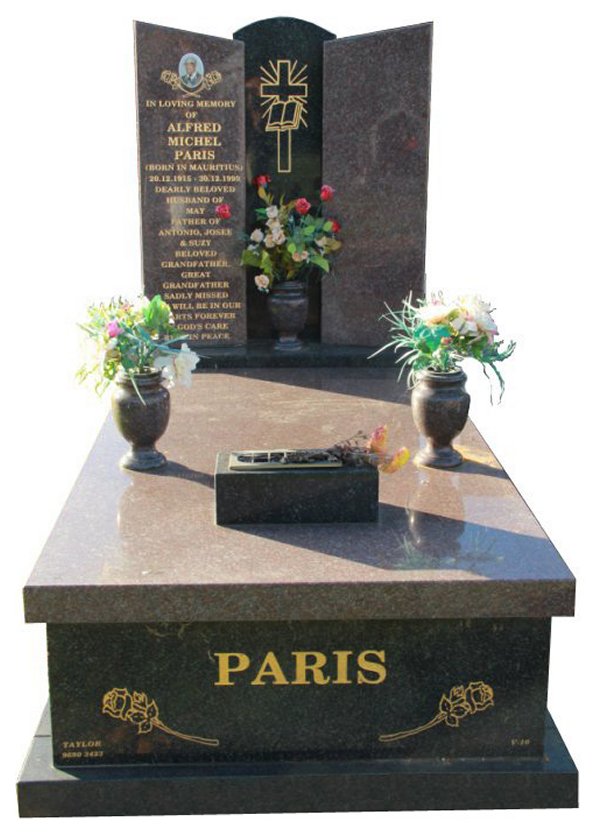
513,213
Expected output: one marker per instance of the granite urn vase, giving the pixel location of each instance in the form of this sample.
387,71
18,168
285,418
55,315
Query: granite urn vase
142,417
288,309
440,407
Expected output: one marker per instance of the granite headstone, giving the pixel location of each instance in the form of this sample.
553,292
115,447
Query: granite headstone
192,158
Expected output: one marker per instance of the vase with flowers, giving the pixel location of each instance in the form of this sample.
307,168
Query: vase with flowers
130,348
432,338
291,241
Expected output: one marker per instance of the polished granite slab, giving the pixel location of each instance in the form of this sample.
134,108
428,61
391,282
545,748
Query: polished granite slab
141,547
292,786
249,691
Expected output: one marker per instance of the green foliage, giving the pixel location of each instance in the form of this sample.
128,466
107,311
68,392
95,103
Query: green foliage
250,257
126,337
319,261
157,316
438,336
286,244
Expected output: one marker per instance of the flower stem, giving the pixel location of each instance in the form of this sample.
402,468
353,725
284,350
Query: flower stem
410,732
193,738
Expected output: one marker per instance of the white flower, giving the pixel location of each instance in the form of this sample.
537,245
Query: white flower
279,238
476,311
486,323
272,211
474,303
274,225
299,256
321,242
262,282
165,363
464,326
177,367
185,361
434,313
256,235
269,242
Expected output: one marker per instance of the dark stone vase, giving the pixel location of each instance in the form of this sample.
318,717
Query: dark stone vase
288,308
141,423
440,407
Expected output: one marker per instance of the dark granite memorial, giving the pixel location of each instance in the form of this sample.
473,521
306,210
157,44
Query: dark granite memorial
417,639
399,662
375,150
286,98
250,691
296,787
191,156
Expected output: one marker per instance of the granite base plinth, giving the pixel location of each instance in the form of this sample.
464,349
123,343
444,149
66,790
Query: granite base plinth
299,691
358,785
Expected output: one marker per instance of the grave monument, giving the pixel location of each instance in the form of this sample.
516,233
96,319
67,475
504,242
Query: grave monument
398,663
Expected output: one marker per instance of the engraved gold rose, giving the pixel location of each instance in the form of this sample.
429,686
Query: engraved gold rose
461,702
138,709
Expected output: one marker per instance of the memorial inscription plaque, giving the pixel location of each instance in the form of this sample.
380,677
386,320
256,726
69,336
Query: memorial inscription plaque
192,159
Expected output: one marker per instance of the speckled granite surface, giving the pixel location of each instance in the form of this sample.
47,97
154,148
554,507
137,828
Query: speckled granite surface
312,786
375,152
133,547
249,687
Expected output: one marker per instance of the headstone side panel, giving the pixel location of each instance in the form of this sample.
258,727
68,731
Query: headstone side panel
375,153
190,92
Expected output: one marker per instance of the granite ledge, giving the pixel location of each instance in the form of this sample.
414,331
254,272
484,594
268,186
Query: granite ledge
313,602
144,547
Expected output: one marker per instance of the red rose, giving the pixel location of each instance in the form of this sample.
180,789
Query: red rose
302,206
335,226
223,210
326,193
261,180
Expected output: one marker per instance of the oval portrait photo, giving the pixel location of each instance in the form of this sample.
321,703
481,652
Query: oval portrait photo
191,70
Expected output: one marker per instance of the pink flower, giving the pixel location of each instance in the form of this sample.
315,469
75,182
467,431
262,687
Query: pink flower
335,226
261,180
223,210
113,329
302,206
327,193
377,442
400,458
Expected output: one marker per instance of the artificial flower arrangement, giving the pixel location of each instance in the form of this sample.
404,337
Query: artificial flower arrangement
372,450
438,334
135,338
290,237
